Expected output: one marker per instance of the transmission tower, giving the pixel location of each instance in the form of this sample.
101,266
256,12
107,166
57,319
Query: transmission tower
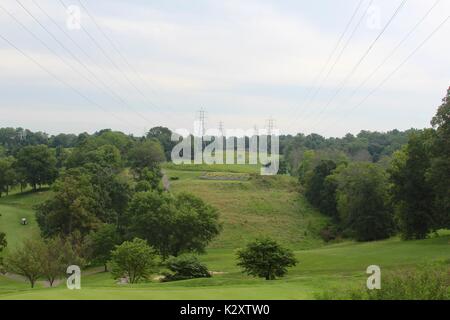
221,129
270,126
202,122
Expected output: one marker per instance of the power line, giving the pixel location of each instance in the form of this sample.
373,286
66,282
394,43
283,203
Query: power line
115,47
64,32
114,64
383,82
61,80
322,83
349,39
391,54
44,44
361,60
122,101
108,89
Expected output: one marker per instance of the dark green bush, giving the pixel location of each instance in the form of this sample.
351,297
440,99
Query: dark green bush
185,267
329,233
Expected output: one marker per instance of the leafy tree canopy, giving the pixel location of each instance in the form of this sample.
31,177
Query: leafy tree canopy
173,225
363,201
37,164
134,260
265,258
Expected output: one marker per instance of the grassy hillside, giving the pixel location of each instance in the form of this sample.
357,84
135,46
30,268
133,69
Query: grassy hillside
256,206
15,207
250,207
260,206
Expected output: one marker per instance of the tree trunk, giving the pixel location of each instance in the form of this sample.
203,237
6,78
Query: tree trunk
106,267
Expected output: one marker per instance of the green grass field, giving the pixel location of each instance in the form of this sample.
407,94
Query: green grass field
259,206
15,207
332,268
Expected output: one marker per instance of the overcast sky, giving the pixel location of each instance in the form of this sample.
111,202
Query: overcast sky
242,61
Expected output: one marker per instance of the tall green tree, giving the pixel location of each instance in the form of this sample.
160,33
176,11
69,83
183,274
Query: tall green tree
265,258
37,164
112,191
318,191
57,255
363,201
134,260
173,225
8,176
72,207
164,136
411,192
438,175
146,154
306,165
102,242
27,260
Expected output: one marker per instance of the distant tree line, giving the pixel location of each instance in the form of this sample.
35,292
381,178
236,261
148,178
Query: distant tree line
366,146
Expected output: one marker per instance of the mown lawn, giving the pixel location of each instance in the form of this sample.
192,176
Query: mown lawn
15,207
260,206
333,268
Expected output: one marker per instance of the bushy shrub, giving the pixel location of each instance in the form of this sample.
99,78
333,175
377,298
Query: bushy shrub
3,244
133,260
266,258
329,233
143,186
185,267
426,282
429,282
